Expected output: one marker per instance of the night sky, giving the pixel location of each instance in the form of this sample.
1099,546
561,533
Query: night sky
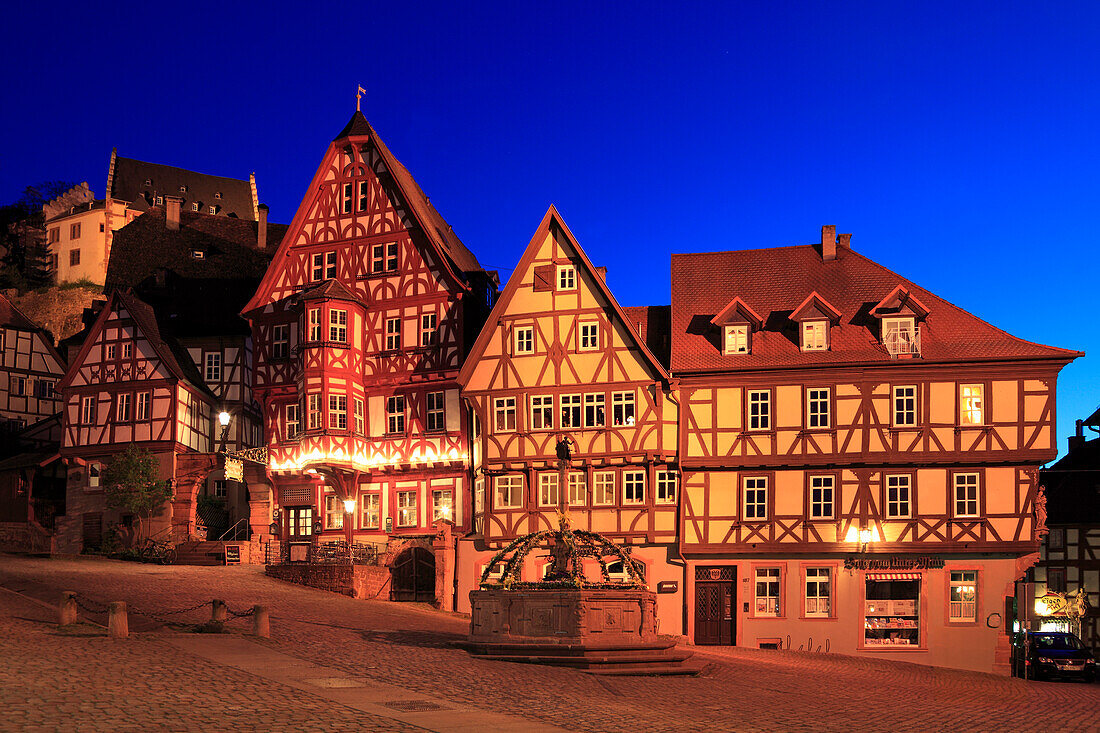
956,141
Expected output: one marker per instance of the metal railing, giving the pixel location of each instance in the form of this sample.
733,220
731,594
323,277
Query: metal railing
902,341
236,531
335,552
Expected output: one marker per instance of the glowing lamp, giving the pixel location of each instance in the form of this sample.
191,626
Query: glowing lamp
866,535
446,510
349,505
223,418
1040,607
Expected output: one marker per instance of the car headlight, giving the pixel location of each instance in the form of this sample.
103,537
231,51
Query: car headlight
1046,660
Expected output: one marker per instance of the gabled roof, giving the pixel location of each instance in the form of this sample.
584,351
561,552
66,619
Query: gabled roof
777,281
453,254
127,177
329,289
737,306
12,317
651,322
813,307
897,301
588,270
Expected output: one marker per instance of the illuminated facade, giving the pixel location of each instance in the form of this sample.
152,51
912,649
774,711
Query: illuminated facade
30,369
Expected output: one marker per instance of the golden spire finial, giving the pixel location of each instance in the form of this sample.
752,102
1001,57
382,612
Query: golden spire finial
359,95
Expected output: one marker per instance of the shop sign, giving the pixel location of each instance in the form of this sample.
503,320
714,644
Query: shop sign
667,586
893,562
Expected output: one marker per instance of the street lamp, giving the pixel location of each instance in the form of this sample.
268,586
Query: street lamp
349,514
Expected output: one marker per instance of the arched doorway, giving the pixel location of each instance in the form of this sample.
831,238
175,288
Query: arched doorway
412,576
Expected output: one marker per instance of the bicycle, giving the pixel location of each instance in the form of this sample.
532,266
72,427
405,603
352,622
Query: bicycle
158,551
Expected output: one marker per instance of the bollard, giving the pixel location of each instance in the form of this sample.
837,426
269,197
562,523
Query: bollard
217,611
117,625
66,611
261,626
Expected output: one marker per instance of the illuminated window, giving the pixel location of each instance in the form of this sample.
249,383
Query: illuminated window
383,257
567,277
143,400
964,595
393,334
542,412
735,340
338,326
442,501
603,490
508,491
767,591
666,488
972,404
360,424
966,494
213,209
817,408
428,329
588,337
756,498
346,198
821,497
334,512
524,340
817,591
195,207
314,324
548,489
317,273
313,411
127,349
436,415
369,510
905,406
406,509
87,410
330,265
898,497
395,414
293,421
122,407
338,411
633,487
505,414
578,488
280,341
570,410
213,367
815,335
760,409
93,475
594,410
364,191
622,408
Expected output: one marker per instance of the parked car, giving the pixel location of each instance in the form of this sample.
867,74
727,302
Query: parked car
1048,654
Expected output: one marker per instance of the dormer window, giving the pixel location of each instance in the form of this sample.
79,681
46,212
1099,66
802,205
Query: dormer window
148,181
898,314
735,339
815,335
195,206
198,254
218,195
814,316
183,189
213,209
900,335
160,201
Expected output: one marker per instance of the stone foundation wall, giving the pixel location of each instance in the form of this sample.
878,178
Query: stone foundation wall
22,537
357,581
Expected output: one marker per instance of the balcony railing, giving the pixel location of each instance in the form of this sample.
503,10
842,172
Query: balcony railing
903,341
336,552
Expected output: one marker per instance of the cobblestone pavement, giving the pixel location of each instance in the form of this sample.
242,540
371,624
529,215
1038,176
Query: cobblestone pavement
409,645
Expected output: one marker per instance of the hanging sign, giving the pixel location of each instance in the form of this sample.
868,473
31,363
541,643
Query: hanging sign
234,469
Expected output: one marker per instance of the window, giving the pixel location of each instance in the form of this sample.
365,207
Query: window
524,340
542,412
393,334
55,235
821,497
293,420
736,340
479,496
505,413
195,207
280,341
364,191
143,400
317,273
334,512
603,492
213,367
395,414
972,404
966,494
314,412
112,352
760,409
101,229
160,200
548,489
127,349
383,257
198,254
122,407
221,488
338,326
346,198
756,498
964,595
567,277
74,257
441,504
74,231
616,572
406,509
427,329
360,422
578,488
633,487
817,592
338,411
594,410
588,338
905,406
570,410
509,492
666,487
87,410
436,416
1056,539
93,475
18,386
767,591
369,509
898,497
183,189
622,408
314,324
817,408
330,265
1056,580
218,195
900,336
814,335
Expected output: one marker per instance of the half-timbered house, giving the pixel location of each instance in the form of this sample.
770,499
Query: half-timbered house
30,367
360,326
558,360
859,457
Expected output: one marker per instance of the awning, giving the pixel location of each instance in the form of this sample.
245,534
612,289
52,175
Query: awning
893,576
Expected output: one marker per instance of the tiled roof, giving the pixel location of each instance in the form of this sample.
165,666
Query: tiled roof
128,184
332,289
168,349
1073,486
774,282
12,317
652,323
77,209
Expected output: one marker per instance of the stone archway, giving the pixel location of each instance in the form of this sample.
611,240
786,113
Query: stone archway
190,475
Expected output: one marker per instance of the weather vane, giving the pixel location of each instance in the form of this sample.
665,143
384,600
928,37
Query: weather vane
358,96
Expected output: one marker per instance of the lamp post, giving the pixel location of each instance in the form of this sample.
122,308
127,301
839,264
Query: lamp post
349,513
223,420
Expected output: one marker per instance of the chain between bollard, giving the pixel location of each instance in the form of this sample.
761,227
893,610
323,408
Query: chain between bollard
240,614
88,609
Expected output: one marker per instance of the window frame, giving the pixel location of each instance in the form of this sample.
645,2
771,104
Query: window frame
966,414
540,413
811,516
895,412
588,335
744,502
435,416
566,280
523,340
634,482
505,407
978,499
396,423
910,500
740,339
514,483
810,401
338,325
810,330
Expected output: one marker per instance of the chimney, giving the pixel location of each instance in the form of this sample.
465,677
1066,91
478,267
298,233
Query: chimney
602,272
172,212
261,230
1078,440
844,240
828,242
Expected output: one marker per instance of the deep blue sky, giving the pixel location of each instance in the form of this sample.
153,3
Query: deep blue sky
957,141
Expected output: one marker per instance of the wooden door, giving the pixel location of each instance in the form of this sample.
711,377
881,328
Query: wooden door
715,606
413,576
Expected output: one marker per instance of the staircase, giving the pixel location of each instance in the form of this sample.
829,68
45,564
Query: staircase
201,553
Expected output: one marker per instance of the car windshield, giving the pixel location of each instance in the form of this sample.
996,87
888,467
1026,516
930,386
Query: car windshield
1057,642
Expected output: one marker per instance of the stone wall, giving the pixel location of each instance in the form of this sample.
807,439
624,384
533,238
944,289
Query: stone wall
357,581
24,537
58,311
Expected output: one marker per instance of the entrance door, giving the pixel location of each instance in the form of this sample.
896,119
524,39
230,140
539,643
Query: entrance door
412,576
715,603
